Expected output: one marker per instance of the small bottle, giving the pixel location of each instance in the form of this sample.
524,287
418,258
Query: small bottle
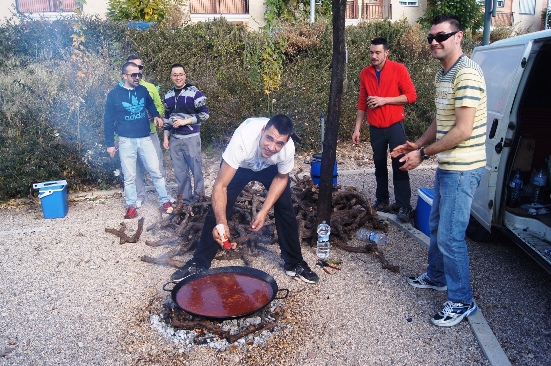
379,239
370,236
515,189
539,181
323,246
222,232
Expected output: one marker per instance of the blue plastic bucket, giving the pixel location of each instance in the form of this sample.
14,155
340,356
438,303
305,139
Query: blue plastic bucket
315,170
422,211
53,198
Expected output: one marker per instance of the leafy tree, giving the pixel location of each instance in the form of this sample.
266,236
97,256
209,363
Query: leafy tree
470,12
141,10
290,10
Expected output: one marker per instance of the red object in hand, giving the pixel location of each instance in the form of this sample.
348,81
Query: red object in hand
225,241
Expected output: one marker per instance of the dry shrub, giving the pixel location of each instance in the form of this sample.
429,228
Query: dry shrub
413,43
301,36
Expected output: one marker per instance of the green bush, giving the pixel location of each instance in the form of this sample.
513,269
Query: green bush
53,85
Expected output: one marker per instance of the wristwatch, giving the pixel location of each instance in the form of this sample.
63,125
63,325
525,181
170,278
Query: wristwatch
423,155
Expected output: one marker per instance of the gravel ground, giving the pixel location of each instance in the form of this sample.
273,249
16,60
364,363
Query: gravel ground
70,294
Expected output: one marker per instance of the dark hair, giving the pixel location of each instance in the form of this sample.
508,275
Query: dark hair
177,65
379,40
132,57
282,123
454,21
125,66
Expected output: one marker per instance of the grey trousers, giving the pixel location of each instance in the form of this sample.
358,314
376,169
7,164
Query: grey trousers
186,156
140,170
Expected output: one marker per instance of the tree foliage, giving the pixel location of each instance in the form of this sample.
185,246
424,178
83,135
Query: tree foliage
293,10
139,10
470,12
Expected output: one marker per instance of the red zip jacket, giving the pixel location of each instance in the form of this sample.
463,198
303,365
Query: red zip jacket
395,81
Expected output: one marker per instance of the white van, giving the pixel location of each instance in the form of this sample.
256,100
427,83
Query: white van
518,80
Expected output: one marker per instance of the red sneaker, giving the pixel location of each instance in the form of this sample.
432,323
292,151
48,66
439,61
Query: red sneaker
131,212
167,207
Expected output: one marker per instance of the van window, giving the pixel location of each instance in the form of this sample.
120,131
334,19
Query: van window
499,67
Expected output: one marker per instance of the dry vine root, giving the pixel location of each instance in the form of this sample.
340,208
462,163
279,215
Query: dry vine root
120,232
351,211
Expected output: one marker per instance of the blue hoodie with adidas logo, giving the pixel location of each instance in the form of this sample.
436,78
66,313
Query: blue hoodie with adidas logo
126,113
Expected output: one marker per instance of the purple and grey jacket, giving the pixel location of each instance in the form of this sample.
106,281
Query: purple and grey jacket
190,103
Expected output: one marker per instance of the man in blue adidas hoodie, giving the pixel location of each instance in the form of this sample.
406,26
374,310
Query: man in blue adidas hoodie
125,114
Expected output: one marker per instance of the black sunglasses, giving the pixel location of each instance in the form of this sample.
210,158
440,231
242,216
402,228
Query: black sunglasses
135,75
440,37
140,67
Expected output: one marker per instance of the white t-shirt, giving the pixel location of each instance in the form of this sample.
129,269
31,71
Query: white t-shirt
243,150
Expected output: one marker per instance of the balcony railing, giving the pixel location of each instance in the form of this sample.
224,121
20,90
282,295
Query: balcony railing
503,19
376,11
219,6
368,11
45,6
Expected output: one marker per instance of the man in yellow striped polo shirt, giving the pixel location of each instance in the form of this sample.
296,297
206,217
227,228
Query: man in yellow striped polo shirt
457,137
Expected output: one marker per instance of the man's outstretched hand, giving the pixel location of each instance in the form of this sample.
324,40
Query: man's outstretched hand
403,149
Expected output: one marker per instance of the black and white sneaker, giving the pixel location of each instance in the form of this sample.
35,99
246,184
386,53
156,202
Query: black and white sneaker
302,271
187,270
453,313
424,281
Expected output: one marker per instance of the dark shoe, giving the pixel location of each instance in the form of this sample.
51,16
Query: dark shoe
302,271
403,214
453,313
167,207
188,269
381,206
131,212
424,281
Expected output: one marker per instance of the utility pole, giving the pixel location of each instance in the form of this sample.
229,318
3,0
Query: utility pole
490,10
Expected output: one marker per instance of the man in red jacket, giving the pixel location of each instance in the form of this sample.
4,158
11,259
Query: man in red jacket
385,86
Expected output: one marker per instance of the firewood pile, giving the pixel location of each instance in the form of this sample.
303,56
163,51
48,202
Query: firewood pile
351,211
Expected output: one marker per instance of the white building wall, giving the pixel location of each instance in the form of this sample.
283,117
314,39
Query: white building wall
411,13
531,21
95,7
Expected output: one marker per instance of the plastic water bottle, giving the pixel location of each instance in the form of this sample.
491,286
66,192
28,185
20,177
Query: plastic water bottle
377,238
539,181
323,246
515,189
371,236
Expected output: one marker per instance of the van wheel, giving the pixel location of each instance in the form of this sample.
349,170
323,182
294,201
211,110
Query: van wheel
477,232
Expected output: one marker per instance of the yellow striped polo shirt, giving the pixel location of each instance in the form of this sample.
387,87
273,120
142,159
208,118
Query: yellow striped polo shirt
462,86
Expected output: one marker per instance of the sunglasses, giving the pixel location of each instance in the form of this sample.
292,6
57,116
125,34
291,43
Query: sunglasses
135,75
440,37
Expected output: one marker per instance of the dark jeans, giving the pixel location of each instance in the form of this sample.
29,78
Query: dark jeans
285,219
383,139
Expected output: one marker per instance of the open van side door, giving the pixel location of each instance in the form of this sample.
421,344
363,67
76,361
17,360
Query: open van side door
503,65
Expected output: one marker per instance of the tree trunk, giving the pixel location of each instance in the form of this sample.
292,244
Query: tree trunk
333,115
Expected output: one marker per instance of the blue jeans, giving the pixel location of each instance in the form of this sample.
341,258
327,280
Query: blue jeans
129,150
140,172
449,217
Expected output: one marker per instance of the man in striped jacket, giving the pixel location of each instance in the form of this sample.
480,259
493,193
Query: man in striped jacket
186,109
